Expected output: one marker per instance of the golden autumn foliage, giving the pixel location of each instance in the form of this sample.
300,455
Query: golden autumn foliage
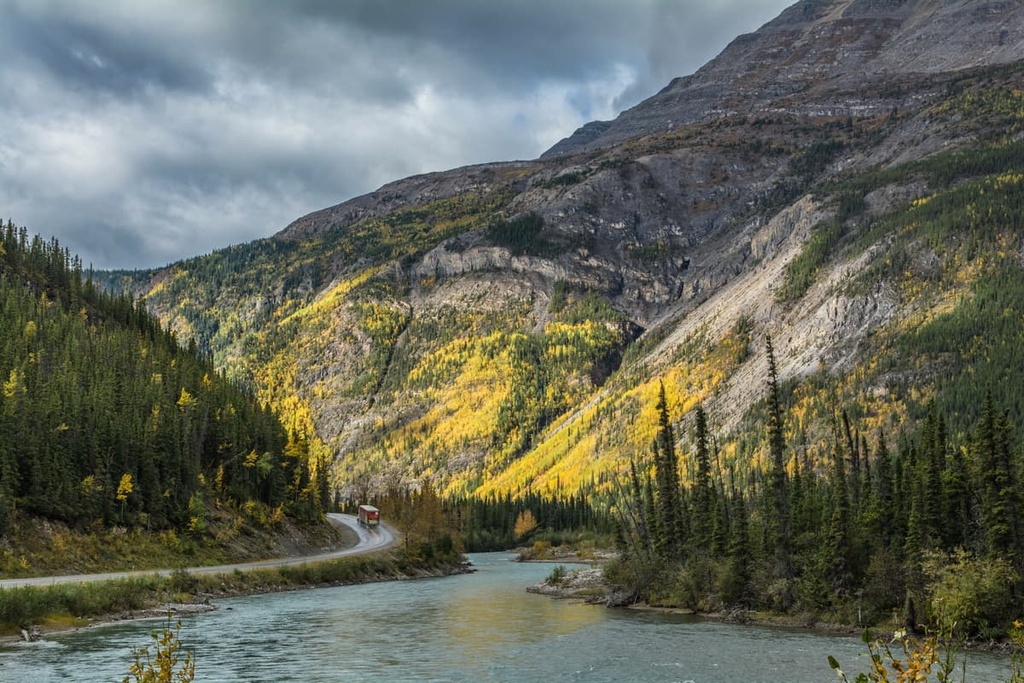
525,524
162,661
910,661
124,488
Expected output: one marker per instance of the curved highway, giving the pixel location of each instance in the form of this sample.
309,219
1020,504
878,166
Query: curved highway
370,540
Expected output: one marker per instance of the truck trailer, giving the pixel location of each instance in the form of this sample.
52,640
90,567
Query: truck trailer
368,515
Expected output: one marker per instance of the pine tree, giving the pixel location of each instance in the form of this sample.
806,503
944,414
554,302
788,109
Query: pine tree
834,552
878,521
996,485
669,512
704,521
780,539
737,590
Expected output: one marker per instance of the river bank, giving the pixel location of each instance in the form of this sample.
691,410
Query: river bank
588,585
45,610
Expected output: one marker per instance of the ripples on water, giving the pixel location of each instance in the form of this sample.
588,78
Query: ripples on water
483,627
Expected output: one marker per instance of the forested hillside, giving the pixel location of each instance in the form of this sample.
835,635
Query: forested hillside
106,420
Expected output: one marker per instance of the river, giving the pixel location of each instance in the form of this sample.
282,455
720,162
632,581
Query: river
481,627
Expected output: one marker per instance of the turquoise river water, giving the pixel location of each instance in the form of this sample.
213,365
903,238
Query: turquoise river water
481,627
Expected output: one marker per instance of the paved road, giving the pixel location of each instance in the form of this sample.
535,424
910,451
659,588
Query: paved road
370,540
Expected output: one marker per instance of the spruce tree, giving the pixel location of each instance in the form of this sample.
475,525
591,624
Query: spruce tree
932,456
956,500
779,538
704,509
879,526
996,484
739,565
835,548
670,521
94,389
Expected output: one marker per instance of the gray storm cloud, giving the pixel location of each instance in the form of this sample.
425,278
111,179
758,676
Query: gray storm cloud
142,133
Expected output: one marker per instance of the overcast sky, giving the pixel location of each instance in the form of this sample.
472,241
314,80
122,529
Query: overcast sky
139,132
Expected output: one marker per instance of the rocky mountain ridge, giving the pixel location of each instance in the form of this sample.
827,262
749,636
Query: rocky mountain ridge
505,327
827,57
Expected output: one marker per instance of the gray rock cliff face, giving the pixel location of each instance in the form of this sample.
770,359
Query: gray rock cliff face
825,56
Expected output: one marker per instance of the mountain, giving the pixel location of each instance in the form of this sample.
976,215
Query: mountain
819,57
846,180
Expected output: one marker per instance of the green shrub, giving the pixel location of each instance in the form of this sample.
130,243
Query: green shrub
557,575
970,595
182,581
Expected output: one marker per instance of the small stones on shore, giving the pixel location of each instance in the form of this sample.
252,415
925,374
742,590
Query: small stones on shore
581,584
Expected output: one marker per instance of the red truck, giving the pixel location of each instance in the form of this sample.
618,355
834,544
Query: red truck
369,515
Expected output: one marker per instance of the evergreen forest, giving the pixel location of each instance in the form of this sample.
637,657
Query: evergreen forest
914,530
106,420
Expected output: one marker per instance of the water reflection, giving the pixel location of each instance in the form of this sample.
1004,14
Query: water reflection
482,623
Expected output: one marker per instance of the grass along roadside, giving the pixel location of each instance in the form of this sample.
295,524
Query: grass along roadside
72,605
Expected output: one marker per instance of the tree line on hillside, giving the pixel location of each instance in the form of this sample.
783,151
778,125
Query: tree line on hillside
505,521
437,525
105,419
924,531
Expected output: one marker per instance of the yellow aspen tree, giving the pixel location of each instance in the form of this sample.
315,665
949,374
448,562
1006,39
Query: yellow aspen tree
525,524
124,489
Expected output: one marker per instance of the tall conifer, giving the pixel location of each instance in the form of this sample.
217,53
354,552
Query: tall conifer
670,522
778,482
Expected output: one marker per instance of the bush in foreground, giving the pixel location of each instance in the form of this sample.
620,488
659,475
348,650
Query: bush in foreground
161,664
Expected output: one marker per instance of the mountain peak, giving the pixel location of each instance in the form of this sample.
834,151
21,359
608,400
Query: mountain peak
825,56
